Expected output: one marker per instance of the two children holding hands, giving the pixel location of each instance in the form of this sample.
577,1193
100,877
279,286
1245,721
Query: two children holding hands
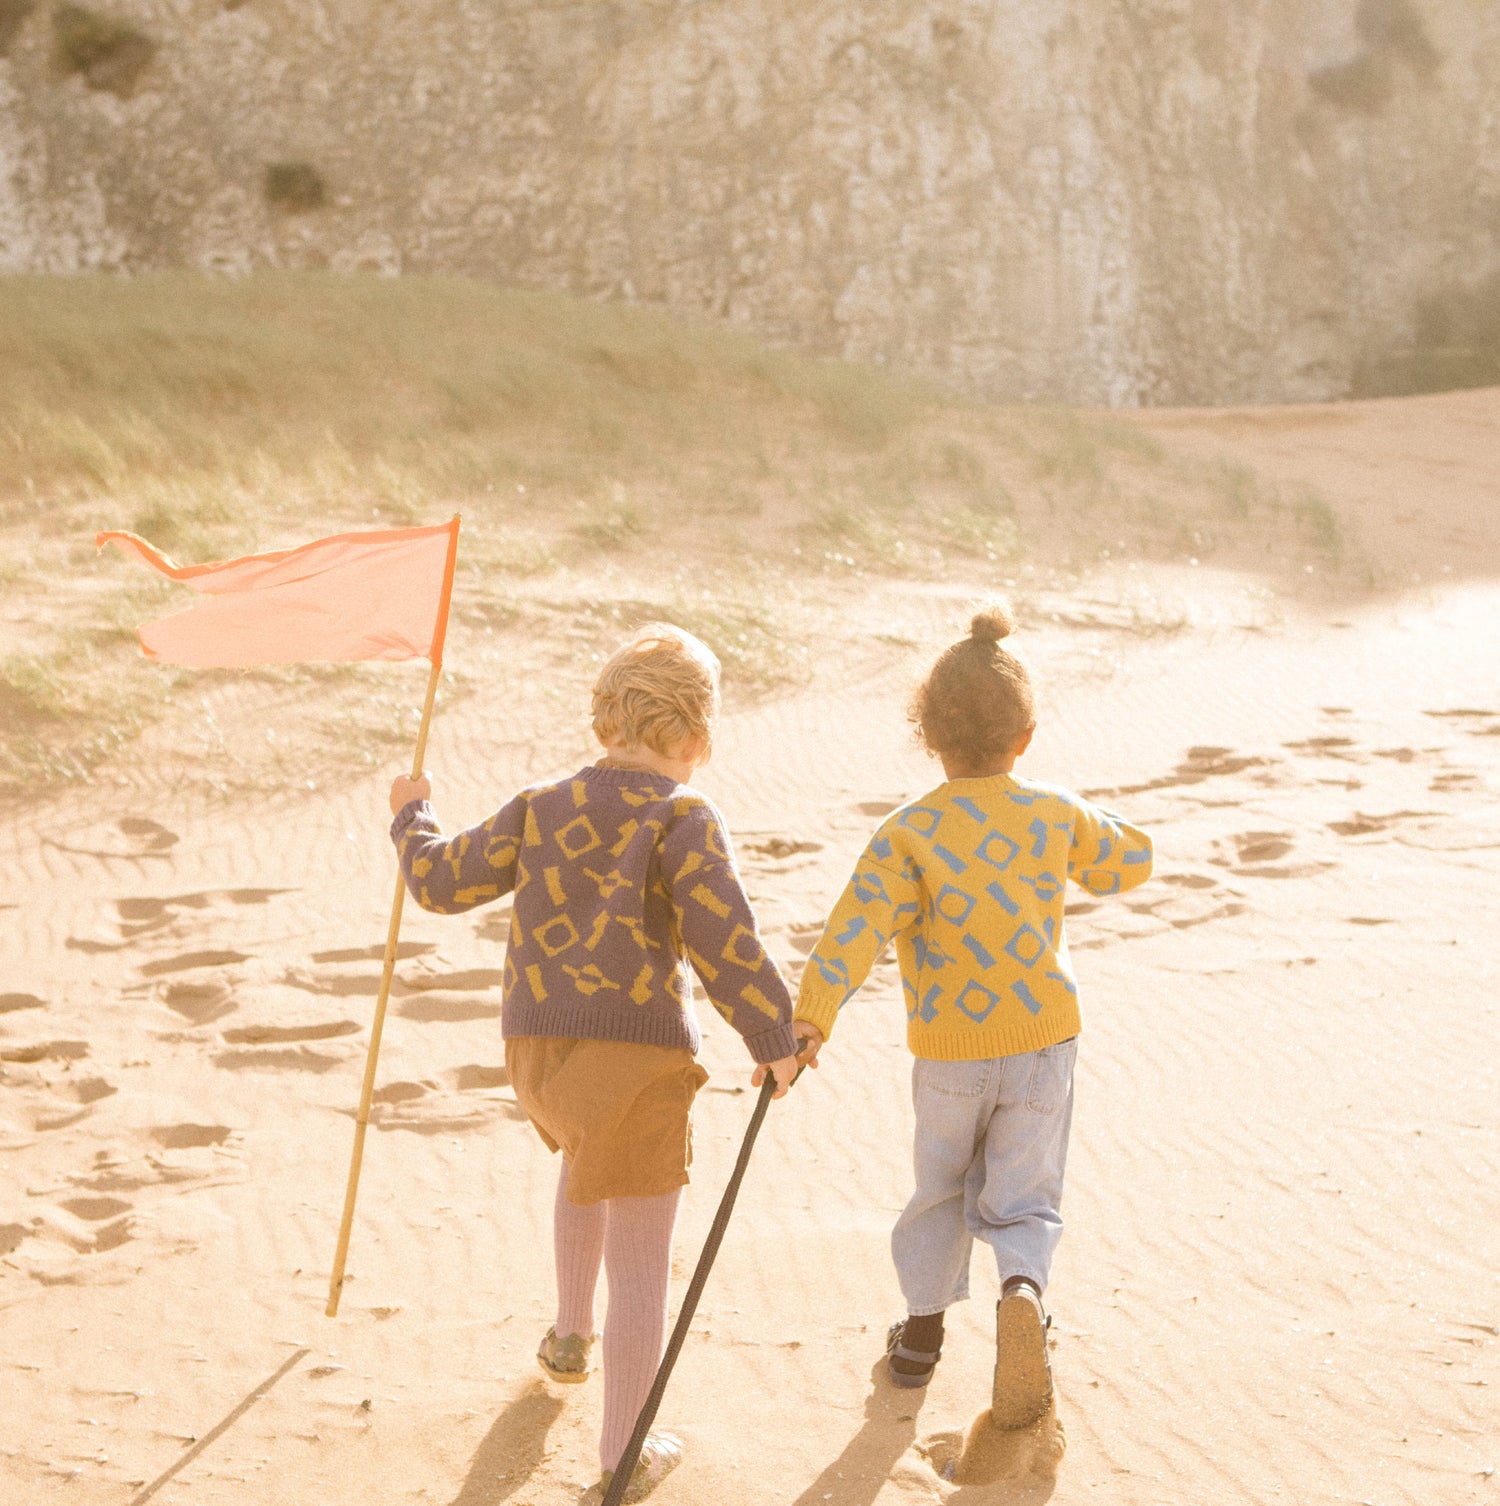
624,877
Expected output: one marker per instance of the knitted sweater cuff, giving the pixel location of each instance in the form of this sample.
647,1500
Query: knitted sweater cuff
407,814
772,1045
818,1008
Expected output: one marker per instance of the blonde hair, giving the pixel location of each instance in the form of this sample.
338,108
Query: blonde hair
657,691
976,701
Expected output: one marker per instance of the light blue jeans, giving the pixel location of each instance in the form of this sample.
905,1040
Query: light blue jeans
991,1146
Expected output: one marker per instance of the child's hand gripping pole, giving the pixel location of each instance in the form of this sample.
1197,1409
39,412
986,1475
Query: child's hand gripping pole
769,1089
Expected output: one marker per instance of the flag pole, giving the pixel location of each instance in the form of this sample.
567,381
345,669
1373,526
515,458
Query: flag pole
392,937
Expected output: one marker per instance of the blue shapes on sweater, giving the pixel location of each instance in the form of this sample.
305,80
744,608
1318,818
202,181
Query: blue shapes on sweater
954,905
996,892
977,1001
922,819
997,850
856,927
929,1009
1029,999
1027,946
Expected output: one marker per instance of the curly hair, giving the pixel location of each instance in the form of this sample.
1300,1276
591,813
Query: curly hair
657,691
976,701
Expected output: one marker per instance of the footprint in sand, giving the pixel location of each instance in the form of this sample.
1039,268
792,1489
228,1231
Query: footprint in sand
129,837
1465,714
781,847
337,985
1194,899
877,807
476,1079
42,1051
464,980
187,961
804,936
402,1092
429,1108
142,915
88,1089
280,1035
62,1226
404,950
190,1136
300,1060
95,1210
200,1002
1025,1459
1445,784
440,1011
9,1003
1257,854
1325,747
1362,825
1198,764
494,924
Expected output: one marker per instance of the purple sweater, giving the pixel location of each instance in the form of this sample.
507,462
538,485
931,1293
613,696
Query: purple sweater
620,879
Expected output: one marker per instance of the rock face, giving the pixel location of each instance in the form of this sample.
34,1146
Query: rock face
1095,201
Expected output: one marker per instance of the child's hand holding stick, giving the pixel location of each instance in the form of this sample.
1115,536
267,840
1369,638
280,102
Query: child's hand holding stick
404,791
786,1071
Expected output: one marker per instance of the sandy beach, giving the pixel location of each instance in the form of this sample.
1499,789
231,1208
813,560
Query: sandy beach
1277,1282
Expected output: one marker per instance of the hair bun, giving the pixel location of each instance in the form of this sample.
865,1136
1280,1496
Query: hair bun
993,623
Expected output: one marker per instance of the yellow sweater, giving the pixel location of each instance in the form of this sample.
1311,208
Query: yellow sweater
970,881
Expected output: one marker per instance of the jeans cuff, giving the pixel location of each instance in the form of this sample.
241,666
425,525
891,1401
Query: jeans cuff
924,1310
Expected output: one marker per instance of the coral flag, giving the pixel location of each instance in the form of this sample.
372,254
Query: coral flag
377,595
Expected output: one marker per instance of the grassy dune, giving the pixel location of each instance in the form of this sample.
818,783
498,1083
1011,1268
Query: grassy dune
612,463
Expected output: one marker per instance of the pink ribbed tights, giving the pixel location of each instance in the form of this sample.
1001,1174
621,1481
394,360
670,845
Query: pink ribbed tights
632,1237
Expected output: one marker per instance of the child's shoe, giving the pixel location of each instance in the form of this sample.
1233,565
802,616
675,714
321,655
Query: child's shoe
565,1360
661,1453
919,1361
1023,1378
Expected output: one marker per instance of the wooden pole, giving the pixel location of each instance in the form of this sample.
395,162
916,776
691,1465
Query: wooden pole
392,936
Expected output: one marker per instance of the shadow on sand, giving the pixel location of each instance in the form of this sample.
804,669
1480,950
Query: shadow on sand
991,1466
510,1452
856,1477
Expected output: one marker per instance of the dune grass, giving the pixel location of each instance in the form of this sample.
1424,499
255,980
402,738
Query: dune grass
596,451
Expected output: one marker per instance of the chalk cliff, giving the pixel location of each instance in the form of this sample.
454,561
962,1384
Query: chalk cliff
1097,201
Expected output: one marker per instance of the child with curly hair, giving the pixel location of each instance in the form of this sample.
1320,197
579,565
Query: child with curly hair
623,875
969,881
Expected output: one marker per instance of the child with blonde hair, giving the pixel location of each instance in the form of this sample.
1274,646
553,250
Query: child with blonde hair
969,881
623,875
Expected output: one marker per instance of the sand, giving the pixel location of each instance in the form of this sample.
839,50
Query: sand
1283,1210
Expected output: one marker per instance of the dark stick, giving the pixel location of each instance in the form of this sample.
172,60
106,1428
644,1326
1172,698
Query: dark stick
626,1467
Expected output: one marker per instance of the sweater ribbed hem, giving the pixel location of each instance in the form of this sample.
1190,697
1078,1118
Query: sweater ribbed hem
1009,1039
580,1020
